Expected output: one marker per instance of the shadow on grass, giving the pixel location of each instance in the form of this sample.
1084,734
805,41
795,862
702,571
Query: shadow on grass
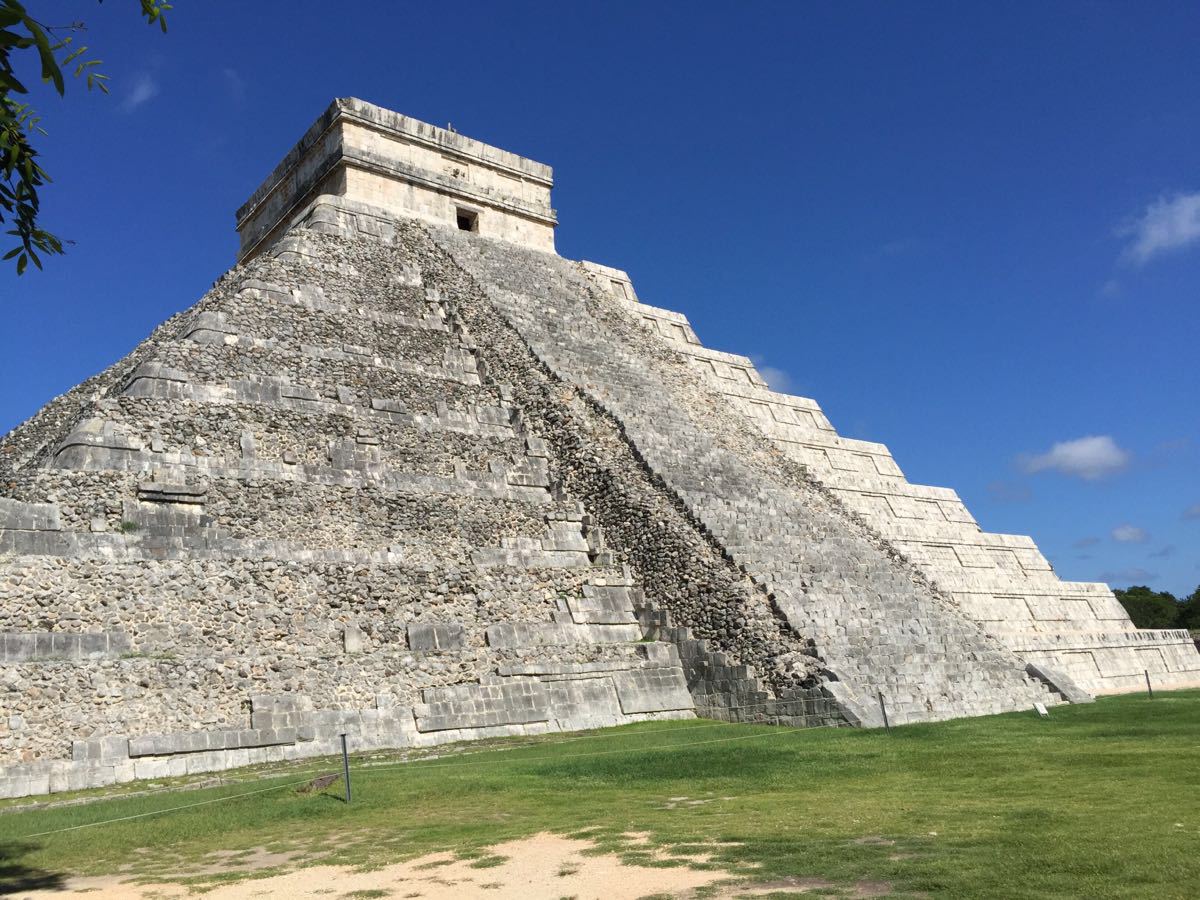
16,877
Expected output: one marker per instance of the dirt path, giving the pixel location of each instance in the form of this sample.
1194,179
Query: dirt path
543,867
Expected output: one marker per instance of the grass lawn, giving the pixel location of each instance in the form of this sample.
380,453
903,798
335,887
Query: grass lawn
1096,801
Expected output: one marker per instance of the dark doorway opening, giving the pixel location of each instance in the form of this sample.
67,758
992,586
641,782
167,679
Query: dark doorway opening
467,220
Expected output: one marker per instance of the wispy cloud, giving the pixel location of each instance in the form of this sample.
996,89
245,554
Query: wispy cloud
143,90
777,379
1129,534
1192,512
234,83
1165,553
1085,542
1089,458
1126,576
1165,225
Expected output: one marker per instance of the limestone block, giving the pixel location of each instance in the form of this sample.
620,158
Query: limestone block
163,492
481,705
860,710
280,703
289,391
209,328
603,605
105,750
155,380
353,639
652,690
564,537
584,703
20,516
41,646
1060,682
96,444
151,767
528,559
659,653
435,636
541,634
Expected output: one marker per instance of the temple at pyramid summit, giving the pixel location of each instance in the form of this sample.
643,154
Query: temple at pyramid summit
404,473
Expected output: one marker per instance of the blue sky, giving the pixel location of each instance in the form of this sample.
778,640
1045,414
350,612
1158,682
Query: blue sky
970,231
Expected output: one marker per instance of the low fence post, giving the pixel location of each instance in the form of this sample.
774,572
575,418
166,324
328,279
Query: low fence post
346,767
1149,689
883,709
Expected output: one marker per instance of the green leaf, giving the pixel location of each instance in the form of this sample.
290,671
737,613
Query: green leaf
10,83
22,262
67,60
50,70
10,38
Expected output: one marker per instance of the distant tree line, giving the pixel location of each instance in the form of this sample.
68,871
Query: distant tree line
1160,609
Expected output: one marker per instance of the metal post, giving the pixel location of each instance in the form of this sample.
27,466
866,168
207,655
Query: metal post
1149,689
346,767
883,709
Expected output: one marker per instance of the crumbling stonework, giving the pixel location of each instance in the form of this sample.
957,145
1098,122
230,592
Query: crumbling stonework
211,566
398,478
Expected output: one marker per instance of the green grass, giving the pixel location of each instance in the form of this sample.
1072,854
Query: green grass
1096,801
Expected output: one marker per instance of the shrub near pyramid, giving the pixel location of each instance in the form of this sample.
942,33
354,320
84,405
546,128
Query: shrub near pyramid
406,474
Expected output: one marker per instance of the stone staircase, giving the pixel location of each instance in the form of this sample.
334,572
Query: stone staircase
872,621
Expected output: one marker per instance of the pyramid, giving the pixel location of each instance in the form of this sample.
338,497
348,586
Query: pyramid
405,474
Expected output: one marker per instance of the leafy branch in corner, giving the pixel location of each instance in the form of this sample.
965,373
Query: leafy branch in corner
21,175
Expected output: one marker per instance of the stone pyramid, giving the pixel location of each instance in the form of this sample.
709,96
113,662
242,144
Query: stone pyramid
406,474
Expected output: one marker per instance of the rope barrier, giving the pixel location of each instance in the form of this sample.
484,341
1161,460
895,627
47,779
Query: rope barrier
251,778
420,765
279,773
158,812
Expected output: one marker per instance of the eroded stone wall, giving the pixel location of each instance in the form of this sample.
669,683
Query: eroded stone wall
302,508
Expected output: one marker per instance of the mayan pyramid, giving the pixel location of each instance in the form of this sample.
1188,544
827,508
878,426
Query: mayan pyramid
406,474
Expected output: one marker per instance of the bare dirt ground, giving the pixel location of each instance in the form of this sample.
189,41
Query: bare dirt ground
543,866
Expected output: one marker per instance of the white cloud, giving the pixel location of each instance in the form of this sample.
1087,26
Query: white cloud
144,89
1192,512
1089,458
1129,534
1166,225
777,379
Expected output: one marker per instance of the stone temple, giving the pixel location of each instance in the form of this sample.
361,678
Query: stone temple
407,474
